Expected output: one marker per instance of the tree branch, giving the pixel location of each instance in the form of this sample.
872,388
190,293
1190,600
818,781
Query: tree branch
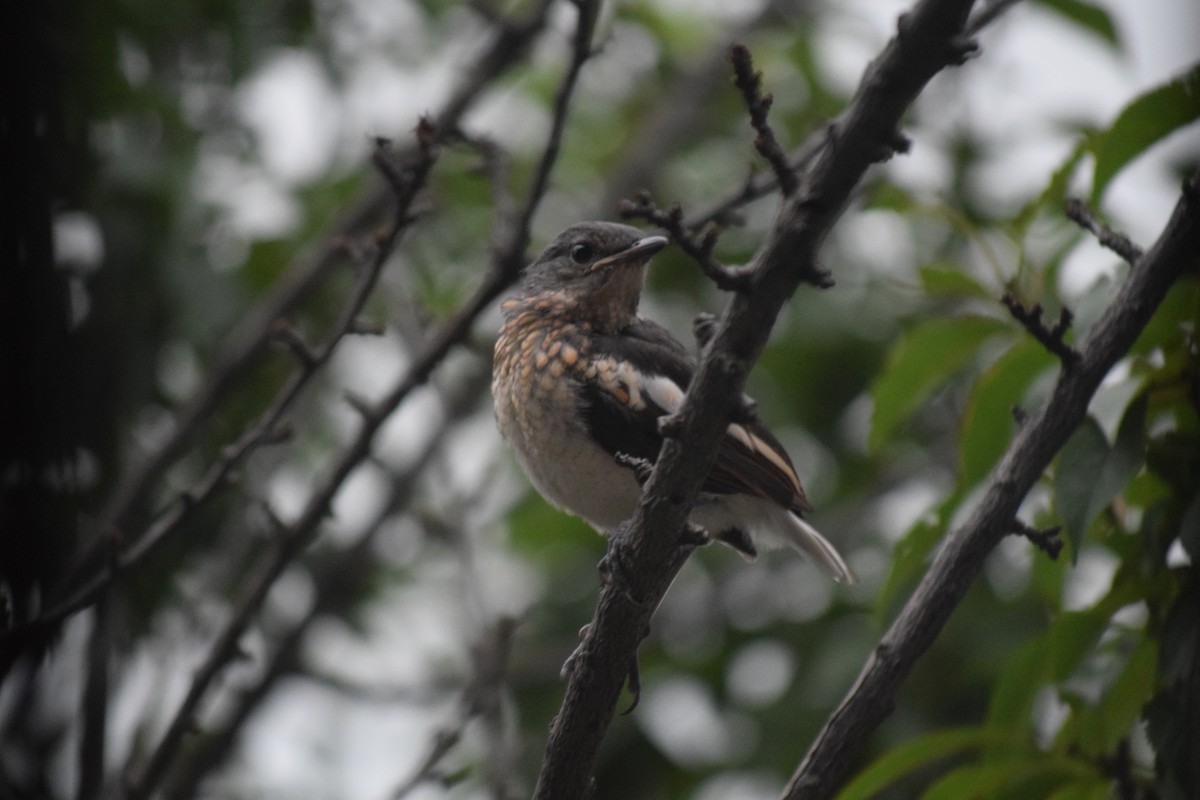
926,43
510,42
1119,243
297,536
1049,338
959,561
749,83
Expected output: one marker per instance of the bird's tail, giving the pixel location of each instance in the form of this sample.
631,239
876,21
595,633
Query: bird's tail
808,540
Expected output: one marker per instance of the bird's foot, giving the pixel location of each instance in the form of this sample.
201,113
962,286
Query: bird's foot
739,540
694,536
613,570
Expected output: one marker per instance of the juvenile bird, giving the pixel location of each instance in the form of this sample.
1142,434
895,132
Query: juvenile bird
580,379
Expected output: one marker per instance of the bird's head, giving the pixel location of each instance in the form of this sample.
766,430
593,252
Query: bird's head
593,271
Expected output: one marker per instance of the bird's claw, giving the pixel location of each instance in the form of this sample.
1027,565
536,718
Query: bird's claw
613,571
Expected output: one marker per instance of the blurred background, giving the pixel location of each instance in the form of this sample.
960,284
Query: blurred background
344,614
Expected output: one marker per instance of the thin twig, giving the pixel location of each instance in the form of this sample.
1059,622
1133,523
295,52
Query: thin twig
699,249
961,557
726,210
332,572
510,42
513,245
269,428
1119,243
141,784
301,532
787,258
1045,539
749,83
1049,338
490,657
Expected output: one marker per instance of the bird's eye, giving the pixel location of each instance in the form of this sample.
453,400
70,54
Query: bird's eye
582,253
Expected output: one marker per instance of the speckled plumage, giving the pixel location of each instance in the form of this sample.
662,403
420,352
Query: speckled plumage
579,378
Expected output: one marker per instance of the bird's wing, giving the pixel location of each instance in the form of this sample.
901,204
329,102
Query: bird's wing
646,372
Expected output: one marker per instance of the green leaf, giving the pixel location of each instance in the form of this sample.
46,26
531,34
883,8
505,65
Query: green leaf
990,780
987,422
952,281
1088,16
1101,727
914,754
1090,473
924,358
1048,658
910,553
1142,123
1054,193
1097,788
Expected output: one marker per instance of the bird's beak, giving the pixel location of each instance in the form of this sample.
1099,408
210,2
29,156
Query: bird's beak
637,253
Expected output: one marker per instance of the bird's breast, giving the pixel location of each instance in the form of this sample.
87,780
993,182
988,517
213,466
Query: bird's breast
536,378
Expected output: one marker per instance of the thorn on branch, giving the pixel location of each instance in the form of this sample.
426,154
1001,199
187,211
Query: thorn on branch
1050,338
282,331
1119,243
896,143
699,250
749,83
1045,539
961,50
819,277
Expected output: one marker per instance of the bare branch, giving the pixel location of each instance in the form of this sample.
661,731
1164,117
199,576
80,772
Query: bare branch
1119,243
912,58
749,83
961,558
95,704
1050,338
331,573
699,249
304,529
510,42
1045,539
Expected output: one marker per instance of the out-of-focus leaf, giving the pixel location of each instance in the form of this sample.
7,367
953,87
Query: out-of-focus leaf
1143,122
951,281
914,754
1099,728
924,358
1056,190
1049,658
1090,473
1097,788
891,197
1002,780
1168,325
987,422
910,553
1171,715
1086,15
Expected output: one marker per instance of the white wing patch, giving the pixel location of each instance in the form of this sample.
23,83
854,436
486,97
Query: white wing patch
664,392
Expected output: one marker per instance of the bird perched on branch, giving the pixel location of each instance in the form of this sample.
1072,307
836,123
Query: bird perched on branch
580,383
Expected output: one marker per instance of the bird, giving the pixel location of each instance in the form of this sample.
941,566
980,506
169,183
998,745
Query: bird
580,383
